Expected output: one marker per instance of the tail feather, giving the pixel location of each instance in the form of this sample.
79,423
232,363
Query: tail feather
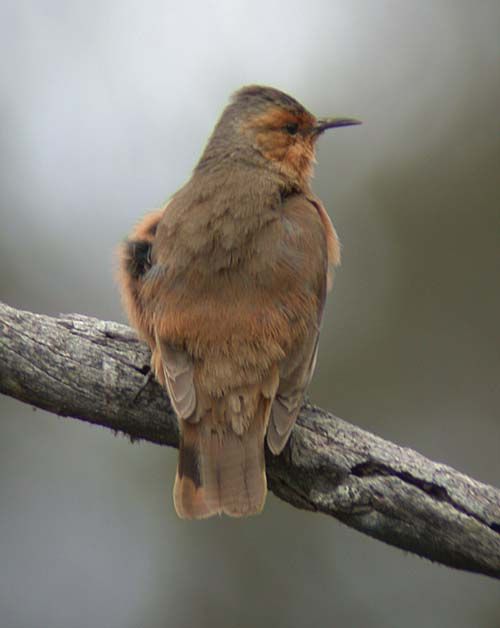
189,495
222,471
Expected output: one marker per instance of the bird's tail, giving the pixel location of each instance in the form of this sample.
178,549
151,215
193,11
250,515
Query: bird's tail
221,459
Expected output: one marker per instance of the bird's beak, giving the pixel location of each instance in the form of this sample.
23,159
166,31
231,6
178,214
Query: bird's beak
331,123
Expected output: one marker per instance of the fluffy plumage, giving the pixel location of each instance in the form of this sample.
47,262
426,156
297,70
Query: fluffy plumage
227,285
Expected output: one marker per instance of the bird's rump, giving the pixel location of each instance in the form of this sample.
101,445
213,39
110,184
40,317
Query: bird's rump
221,466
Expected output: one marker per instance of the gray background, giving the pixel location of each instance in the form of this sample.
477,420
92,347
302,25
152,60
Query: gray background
104,109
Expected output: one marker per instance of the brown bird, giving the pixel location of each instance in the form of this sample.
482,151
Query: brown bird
227,285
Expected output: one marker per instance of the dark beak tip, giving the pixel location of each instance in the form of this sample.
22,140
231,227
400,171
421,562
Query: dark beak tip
332,123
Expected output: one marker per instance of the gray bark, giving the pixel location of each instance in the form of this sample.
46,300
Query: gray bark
97,371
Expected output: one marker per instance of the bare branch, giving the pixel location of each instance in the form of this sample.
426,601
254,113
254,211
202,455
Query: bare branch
97,371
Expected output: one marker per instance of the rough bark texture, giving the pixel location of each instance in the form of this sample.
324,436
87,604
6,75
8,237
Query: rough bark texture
98,371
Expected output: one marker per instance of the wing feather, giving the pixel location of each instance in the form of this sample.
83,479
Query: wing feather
297,369
290,395
178,371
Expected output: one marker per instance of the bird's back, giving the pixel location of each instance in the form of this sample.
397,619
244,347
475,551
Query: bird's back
235,315
227,286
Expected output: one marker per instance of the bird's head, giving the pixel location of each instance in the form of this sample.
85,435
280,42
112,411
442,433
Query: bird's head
263,125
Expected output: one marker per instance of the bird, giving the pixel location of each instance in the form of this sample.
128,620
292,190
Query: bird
227,284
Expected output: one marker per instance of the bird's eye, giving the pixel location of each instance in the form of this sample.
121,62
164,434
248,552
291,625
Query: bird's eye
291,128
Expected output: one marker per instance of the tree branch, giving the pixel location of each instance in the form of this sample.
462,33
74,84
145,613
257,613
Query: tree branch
98,371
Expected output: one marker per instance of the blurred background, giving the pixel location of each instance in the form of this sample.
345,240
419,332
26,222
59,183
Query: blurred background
104,109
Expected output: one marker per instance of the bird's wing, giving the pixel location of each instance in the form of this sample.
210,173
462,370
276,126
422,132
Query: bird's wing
177,371
332,240
317,241
292,387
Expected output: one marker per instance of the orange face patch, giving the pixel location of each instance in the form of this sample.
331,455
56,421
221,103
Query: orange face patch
292,152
